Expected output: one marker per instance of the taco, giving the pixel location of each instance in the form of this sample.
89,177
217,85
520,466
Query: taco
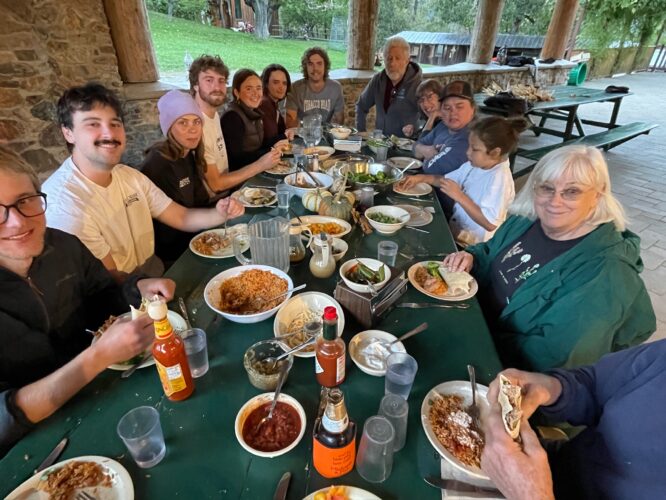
510,399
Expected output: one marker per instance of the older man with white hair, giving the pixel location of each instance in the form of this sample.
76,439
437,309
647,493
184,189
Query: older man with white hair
392,92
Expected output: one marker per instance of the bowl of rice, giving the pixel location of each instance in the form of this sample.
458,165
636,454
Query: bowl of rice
240,294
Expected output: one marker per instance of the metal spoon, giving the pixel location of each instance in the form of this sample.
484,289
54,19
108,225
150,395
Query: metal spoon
300,346
473,409
410,333
407,167
284,370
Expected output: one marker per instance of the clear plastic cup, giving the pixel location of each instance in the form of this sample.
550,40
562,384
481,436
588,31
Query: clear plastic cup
400,372
387,251
381,153
141,432
375,453
395,409
196,350
283,195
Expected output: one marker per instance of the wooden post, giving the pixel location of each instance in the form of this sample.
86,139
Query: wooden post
559,29
362,22
130,32
486,26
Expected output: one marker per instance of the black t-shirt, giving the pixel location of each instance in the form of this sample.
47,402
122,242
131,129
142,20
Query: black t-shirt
519,261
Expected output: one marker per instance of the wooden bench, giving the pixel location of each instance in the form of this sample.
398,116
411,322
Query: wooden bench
604,140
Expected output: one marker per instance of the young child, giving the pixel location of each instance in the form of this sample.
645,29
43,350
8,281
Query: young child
482,188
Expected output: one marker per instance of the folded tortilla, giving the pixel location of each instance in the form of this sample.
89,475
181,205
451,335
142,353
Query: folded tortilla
459,282
510,399
137,313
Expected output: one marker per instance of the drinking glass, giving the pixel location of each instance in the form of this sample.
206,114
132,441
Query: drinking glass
375,453
400,372
381,153
387,252
395,410
378,133
141,432
283,195
196,350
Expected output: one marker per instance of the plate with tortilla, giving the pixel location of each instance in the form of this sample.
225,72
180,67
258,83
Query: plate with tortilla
434,280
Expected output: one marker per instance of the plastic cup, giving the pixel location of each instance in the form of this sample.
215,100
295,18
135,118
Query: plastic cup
381,153
196,350
375,453
395,409
400,372
378,133
141,432
283,195
387,252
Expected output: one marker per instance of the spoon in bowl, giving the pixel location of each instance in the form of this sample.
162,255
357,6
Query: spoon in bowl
284,370
271,361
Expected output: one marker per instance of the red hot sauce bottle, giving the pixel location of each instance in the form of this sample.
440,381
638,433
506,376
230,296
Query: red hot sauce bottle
330,352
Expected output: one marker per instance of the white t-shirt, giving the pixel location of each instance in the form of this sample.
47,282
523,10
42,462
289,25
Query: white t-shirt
116,218
215,150
492,190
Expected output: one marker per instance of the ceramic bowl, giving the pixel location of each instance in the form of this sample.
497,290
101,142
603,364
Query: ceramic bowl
290,180
356,346
373,264
391,211
340,248
340,132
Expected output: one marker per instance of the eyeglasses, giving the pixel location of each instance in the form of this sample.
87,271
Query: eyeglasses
28,206
568,194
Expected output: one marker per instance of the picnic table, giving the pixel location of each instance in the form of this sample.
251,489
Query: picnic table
203,458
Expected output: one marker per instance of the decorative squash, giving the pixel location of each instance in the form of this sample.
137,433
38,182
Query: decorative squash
339,206
312,199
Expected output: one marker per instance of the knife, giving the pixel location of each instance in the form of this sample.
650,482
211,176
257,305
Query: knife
282,487
133,368
53,456
425,305
454,486
183,310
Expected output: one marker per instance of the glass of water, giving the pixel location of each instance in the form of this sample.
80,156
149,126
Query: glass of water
387,251
196,350
283,195
141,431
400,372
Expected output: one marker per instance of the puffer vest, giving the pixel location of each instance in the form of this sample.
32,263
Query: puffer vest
254,125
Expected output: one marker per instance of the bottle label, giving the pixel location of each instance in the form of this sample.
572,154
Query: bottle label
340,372
334,426
162,328
333,462
172,378
318,368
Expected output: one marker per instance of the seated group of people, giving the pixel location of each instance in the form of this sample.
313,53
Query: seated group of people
559,278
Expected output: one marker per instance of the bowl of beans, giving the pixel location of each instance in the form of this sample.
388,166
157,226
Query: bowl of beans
276,436
387,219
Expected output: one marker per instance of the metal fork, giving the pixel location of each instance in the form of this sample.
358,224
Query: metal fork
473,409
83,495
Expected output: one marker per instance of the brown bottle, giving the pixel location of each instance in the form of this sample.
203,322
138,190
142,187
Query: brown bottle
330,351
334,438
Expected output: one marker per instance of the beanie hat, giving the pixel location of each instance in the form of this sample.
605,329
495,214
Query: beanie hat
173,105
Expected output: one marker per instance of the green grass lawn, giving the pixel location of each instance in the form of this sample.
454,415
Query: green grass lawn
238,50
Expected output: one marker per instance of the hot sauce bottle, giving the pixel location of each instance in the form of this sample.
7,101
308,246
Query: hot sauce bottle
330,352
170,356
334,438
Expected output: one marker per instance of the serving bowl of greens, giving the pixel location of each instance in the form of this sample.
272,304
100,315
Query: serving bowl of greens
387,219
360,274
376,175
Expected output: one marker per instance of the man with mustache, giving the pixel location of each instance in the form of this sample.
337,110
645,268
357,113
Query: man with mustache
392,92
316,93
208,85
107,205
51,290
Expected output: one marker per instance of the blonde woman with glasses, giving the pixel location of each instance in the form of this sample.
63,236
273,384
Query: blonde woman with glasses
560,278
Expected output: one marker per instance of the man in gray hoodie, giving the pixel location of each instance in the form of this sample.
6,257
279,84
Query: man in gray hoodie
392,92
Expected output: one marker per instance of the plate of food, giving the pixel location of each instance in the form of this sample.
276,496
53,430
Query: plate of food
283,167
402,142
449,427
341,493
434,280
255,197
100,477
418,216
420,189
321,223
218,243
402,161
323,151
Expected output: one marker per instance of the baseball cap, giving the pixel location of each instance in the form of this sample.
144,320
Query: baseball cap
458,88
173,105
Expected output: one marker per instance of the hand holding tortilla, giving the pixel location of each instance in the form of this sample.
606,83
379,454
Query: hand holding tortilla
537,389
510,398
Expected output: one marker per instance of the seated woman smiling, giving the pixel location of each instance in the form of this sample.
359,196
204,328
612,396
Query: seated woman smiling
560,278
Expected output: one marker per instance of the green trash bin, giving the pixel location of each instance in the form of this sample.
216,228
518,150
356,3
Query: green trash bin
577,75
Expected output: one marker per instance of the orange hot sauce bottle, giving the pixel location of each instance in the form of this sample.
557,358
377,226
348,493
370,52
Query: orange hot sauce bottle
170,356
330,352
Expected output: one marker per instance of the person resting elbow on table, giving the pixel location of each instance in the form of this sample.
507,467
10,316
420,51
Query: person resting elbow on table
560,278
428,98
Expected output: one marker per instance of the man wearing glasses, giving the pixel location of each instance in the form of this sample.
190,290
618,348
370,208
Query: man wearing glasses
392,92
51,289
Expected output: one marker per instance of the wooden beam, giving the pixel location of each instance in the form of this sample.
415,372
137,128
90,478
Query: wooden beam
362,22
486,26
559,29
130,32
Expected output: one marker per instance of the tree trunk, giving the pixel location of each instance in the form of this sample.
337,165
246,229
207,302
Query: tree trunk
170,5
571,44
559,29
486,26
214,12
260,8
227,22
362,22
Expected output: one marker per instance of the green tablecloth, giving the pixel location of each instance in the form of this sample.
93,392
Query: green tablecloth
203,458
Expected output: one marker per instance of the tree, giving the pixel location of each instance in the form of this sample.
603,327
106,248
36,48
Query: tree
263,10
309,18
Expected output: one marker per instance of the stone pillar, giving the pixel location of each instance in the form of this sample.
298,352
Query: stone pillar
362,23
559,29
130,32
486,26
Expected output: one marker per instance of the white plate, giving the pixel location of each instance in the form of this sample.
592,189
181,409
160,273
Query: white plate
323,219
240,197
417,217
282,170
420,189
228,251
402,161
474,287
354,346
310,300
121,488
178,324
323,151
464,390
353,493
403,143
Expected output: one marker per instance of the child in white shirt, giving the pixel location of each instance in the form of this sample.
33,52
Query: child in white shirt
482,188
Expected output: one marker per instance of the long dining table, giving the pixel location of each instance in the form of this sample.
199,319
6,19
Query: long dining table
203,458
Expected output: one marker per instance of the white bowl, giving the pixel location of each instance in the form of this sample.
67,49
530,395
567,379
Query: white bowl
340,248
323,152
355,347
212,293
340,132
257,401
324,179
373,264
391,211
314,301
